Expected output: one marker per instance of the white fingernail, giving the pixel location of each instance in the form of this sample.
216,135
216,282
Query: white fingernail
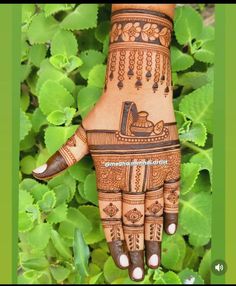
153,260
172,228
124,261
40,169
138,273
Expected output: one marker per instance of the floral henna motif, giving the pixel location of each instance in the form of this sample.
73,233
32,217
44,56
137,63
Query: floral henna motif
144,35
134,237
111,210
155,208
133,215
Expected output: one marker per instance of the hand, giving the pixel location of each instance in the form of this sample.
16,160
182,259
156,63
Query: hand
132,137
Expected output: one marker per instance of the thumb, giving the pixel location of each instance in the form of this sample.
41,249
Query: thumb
71,152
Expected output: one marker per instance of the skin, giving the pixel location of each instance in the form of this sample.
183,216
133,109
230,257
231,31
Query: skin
107,115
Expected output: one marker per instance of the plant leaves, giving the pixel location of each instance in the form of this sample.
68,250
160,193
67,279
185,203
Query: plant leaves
188,276
195,214
198,106
81,253
90,189
53,96
189,175
179,60
196,134
188,24
25,125
87,97
39,236
83,17
41,29
64,43
55,137
96,76
90,58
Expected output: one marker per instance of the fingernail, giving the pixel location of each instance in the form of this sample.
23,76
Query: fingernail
40,169
137,273
124,261
172,228
153,260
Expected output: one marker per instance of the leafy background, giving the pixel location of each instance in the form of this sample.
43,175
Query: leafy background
63,61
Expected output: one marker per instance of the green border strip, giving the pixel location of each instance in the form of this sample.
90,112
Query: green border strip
9,145
16,53
230,141
6,144
218,208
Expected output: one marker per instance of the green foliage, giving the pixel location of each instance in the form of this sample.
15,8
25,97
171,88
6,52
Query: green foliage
64,52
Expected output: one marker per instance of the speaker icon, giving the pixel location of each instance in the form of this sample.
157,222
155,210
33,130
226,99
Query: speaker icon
219,267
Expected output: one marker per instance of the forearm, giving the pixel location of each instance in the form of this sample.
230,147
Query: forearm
139,56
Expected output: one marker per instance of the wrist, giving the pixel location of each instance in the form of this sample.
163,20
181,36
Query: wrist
139,55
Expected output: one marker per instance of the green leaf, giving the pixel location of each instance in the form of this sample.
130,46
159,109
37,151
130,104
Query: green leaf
36,263
37,53
41,29
50,9
25,222
75,219
102,31
60,245
81,253
196,134
99,257
48,72
28,184
92,214
24,101
55,137
195,214
25,124
59,273
25,200
27,11
188,24
83,17
82,169
179,60
64,43
90,59
96,76
38,191
48,201
112,272
90,189
198,106
39,236
53,96
28,142
204,159
206,52
62,193
188,276
193,79
173,252
189,175
168,278
198,240
69,114
191,259
38,119
64,179
205,267
56,117
87,97
27,164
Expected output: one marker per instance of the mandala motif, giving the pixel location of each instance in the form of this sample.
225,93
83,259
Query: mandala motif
173,197
150,32
155,207
131,31
111,210
133,215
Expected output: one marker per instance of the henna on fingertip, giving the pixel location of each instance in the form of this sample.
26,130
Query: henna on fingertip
55,165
